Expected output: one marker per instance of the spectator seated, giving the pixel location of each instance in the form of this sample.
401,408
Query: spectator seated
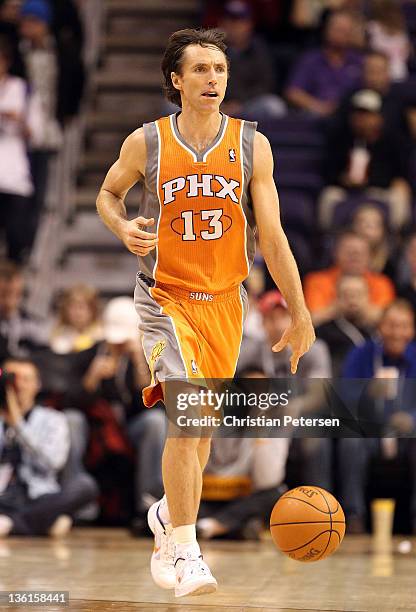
365,158
251,89
38,496
387,360
351,256
323,75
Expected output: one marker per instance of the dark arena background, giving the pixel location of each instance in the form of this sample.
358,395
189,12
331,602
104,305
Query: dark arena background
332,84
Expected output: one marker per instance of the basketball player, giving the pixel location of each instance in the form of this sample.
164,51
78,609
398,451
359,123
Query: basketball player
207,182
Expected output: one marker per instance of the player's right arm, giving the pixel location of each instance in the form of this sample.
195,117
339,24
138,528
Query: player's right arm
123,174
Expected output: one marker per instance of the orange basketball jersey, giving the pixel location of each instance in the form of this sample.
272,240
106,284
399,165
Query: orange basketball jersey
201,204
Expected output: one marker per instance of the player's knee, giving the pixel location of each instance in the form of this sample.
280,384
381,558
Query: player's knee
183,444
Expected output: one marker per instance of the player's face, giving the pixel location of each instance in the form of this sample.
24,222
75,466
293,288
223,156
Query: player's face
203,79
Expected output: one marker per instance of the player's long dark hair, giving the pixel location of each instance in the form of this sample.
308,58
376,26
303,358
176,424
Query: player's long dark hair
173,56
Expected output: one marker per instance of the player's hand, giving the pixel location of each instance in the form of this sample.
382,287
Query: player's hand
300,335
136,239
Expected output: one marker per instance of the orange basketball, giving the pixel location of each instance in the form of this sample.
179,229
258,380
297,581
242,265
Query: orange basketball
307,523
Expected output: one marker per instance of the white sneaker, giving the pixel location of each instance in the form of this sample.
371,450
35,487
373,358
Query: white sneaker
193,576
163,557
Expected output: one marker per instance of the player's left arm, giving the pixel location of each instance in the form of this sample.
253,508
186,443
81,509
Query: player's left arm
276,251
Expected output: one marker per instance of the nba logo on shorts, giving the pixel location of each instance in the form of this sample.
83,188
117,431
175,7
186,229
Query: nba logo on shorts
194,367
231,154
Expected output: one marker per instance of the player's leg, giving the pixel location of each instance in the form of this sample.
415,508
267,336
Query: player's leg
171,346
222,334
159,316
185,455
176,515
183,463
184,459
182,478
177,536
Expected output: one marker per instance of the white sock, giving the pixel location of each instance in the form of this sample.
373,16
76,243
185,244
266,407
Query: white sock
184,538
164,511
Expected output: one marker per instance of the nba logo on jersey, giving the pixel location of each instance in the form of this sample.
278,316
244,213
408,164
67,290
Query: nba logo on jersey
194,367
231,155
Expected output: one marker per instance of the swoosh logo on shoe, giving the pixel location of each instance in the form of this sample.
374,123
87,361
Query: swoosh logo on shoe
156,549
159,519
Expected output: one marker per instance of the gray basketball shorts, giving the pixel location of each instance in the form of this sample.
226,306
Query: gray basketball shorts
188,334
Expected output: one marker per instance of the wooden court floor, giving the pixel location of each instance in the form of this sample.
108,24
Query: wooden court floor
106,569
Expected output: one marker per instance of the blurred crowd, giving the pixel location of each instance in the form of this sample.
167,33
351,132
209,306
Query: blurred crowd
41,85
76,442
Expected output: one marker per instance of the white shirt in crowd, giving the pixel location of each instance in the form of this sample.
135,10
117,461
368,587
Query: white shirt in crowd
44,439
15,174
395,45
42,71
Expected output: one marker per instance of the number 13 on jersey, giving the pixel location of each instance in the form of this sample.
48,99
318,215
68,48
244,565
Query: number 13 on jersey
215,224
